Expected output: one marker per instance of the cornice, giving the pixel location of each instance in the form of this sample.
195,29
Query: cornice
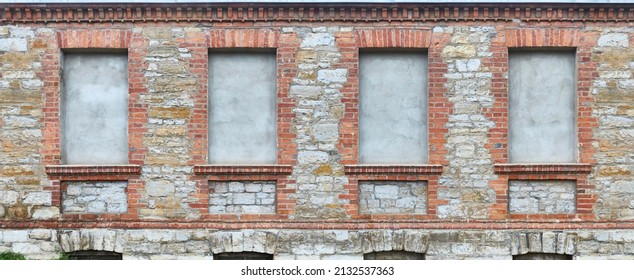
311,12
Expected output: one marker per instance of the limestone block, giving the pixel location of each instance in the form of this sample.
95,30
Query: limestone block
25,248
46,213
613,40
160,188
11,236
9,198
332,76
309,157
13,45
308,92
326,132
38,198
459,51
314,40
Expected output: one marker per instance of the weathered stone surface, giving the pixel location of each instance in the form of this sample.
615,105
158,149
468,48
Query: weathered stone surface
613,40
542,197
392,197
255,197
93,197
470,168
13,45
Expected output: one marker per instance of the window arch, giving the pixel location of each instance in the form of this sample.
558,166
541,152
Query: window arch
94,255
393,255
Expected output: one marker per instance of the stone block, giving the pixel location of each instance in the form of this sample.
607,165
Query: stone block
326,132
332,76
160,188
315,40
26,248
459,51
13,45
308,157
9,198
46,213
11,236
613,40
38,198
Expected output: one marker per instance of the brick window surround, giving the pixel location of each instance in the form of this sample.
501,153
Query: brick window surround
205,172
57,172
394,39
549,39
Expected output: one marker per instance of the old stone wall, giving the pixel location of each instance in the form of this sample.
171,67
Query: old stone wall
321,244
242,197
95,197
392,197
542,197
466,198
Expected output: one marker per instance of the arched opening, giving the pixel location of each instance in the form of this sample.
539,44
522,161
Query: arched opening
94,255
243,256
542,256
393,255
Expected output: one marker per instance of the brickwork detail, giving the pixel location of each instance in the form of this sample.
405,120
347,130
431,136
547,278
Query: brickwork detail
172,87
255,197
542,197
466,179
392,197
316,88
95,197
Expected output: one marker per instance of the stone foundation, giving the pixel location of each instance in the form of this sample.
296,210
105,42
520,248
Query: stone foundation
322,244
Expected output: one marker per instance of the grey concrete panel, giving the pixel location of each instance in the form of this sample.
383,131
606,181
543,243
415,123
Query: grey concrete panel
242,107
542,107
393,107
95,108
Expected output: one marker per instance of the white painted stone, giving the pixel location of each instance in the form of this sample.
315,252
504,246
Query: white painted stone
314,40
613,40
332,76
13,45
38,198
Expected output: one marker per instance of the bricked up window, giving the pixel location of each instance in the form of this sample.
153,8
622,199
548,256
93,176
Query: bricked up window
242,107
542,107
393,255
94,255
392,107
94,109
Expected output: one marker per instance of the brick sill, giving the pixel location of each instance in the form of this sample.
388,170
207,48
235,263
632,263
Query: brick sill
209,169
92,170
368,169
566,168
